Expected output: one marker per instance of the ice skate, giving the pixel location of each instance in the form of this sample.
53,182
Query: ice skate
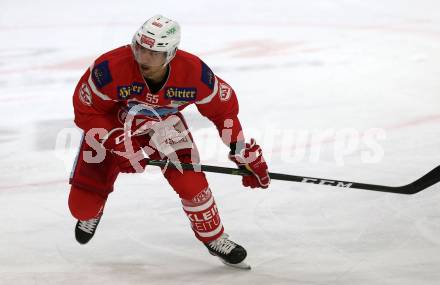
84,230
228,251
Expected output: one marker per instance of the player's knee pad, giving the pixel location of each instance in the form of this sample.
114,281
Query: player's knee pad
203,214
84,204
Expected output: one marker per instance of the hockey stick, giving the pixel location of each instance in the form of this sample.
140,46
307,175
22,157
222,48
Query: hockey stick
427,180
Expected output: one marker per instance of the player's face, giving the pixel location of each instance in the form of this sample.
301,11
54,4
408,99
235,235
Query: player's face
150,58
151,63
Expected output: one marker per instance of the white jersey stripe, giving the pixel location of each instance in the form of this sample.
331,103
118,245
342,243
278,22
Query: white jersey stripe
212,95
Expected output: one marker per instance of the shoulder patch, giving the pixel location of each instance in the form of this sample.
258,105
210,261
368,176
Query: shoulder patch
101,74
207,76
85,95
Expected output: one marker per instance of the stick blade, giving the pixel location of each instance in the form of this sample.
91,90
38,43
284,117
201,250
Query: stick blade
427,180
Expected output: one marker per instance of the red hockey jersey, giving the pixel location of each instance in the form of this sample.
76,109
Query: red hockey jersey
114,81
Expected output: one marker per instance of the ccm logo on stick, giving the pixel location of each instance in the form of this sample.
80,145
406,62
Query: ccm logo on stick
326,182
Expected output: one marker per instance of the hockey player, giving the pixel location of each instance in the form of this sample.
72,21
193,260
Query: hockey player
128,103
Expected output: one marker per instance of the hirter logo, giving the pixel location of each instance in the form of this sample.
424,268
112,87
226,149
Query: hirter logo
185,94
148,41
127,91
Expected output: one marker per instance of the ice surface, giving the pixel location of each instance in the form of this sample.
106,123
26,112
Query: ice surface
343,67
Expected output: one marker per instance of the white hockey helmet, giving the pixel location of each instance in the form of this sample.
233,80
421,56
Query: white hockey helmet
157,34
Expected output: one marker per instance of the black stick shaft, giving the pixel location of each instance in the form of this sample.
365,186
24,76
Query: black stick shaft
420,184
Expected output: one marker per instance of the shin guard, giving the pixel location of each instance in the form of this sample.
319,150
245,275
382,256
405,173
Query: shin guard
204,216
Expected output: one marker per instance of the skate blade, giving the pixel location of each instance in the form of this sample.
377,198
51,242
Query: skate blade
242,265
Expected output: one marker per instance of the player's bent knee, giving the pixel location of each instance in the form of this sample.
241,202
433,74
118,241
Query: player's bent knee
84,204
187,184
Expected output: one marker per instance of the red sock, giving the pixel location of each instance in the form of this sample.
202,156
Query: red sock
84,204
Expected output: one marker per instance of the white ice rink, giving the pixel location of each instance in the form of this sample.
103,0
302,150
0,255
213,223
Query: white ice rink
339,71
